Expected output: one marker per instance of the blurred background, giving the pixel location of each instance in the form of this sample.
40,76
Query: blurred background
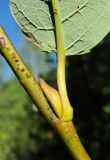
24,134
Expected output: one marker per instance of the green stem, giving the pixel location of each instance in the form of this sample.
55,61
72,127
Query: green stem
70,137
61,59
65,127
66,130
25,77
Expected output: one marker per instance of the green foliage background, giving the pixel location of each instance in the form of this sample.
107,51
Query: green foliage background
25,135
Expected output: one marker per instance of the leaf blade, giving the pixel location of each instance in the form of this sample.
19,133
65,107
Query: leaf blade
85,23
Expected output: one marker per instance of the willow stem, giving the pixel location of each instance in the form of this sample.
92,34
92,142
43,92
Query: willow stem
70,137
66,130
25,77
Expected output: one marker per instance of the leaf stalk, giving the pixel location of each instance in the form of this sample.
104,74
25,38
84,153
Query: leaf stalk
61,60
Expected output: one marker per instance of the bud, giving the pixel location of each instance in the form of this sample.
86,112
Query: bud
53,97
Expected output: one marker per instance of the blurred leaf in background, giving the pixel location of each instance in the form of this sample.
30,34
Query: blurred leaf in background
22,131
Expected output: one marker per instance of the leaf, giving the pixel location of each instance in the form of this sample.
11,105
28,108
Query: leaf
106,109
85,23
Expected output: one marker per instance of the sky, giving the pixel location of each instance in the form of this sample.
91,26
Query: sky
12,29
9,24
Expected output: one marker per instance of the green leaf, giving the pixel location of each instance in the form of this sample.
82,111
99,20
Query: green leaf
85,23
106,109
